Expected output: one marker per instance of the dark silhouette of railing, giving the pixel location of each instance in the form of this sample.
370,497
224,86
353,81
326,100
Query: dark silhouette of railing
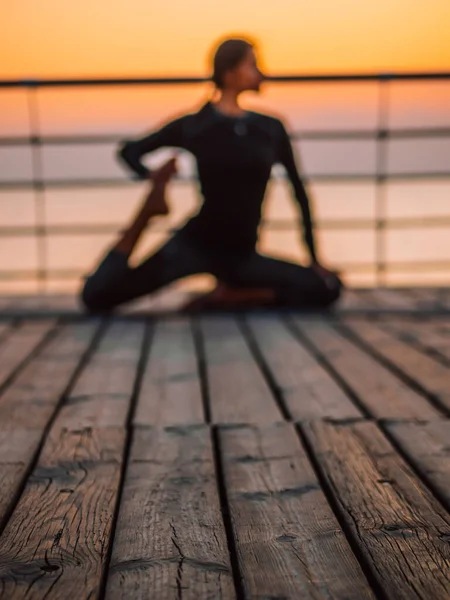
381,133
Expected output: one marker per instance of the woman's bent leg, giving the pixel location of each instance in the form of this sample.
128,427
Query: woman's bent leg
114,282
101,287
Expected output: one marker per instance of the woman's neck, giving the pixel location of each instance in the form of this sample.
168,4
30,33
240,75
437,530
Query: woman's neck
228,104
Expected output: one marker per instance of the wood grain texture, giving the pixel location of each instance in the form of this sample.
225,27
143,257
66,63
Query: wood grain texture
44,303
20,343
445,298
383,394
101,395
426,298
430,335
55,543
431,375
441,296
170,540
391,299
170,392
355,300
427,446
5,329
30,401
17,448
5,303
307,388
238,392
289,542
401,530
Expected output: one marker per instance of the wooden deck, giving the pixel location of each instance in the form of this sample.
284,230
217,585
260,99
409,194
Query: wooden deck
425,301
267,456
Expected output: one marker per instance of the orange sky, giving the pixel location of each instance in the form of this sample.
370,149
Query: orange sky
152,37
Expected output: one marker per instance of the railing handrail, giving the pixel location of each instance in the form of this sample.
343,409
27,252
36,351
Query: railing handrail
307,134
381,133
288,78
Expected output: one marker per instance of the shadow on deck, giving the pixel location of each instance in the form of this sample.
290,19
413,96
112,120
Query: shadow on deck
423,301
229,456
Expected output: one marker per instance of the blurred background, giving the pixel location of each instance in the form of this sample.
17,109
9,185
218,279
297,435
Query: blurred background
375,152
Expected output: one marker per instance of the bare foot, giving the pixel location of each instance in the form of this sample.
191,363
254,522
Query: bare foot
156,202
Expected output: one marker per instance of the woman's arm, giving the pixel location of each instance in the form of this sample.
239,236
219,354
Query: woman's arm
287,159
131,151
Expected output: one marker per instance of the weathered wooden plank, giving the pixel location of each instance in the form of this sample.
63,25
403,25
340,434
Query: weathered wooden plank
5,328
30,401
383,394
20,344
427,445
5,302
429,335
238,391
445,298
427,298
401,530
170,540
442,297
289,543
170,392
356,299
56,541
423,299
44,303
392,299
439,298
17,448
101,395
431,375
307,388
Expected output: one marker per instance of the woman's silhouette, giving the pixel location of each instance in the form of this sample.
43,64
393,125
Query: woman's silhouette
235,150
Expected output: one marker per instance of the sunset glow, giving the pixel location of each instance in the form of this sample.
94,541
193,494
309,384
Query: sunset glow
145,38
137,37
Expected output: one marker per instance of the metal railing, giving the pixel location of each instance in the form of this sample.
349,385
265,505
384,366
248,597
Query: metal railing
41,230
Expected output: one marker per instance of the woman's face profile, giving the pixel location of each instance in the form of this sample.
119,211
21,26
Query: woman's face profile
246,76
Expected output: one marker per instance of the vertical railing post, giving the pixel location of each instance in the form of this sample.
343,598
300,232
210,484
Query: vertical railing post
381,176
40,222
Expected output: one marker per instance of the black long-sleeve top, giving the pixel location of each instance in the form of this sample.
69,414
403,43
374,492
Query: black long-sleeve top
234,158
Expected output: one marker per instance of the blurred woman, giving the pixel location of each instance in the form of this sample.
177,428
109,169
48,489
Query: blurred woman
235,150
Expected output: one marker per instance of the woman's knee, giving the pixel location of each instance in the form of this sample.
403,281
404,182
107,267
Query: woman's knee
102,288
93,296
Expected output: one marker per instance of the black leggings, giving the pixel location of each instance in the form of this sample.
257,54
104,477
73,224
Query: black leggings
114,282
